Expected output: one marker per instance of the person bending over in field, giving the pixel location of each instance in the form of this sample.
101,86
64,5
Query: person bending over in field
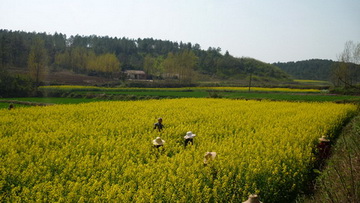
189,137
11,106
158,142
209,157
159,124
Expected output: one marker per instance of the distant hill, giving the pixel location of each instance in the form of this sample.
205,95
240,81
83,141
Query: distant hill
314,69
318,69
107,57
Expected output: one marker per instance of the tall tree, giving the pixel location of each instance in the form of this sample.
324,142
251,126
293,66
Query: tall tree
107,64
187,62
343,72
37,61
153,66
170,67
180,65
79,59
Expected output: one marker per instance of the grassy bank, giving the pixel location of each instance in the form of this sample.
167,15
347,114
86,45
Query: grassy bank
340,179
4,102
5,105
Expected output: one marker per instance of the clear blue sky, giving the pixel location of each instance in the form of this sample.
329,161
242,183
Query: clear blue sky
270,31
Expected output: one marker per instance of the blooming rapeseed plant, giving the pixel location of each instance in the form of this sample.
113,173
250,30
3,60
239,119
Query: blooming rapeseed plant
103,152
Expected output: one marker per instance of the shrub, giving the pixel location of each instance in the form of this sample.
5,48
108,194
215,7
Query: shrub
15,86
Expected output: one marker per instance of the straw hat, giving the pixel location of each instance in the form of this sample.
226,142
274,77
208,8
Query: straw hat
253,199
158,141
209,156
189,135
324,139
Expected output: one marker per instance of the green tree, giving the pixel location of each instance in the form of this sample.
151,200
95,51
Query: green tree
15,86
153,66
108,64
170,66
63,60
187,62
37,61
79,59
180,66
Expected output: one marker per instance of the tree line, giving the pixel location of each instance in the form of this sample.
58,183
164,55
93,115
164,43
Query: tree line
345,72
313,69
106,56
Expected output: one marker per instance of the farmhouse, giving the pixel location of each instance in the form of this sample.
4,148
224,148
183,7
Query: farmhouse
135,74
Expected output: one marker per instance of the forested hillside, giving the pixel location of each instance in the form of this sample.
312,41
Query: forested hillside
317,69
314,69
109,56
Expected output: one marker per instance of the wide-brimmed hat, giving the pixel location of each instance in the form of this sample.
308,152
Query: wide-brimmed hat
253,199
189,135
209,156
324,139
158,141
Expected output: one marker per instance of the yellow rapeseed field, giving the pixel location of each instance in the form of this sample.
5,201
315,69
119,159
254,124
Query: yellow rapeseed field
102,152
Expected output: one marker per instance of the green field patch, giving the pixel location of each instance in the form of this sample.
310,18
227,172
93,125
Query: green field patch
293,97
195,94
49,100
185,89
6,105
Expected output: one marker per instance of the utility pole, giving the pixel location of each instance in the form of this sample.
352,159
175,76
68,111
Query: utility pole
250,80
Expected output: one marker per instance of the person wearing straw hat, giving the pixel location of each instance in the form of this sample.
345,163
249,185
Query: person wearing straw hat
208,157
158,142
324,139
253,199
159,125
189,138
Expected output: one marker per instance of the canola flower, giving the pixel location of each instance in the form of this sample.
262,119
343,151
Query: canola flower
261,89
102,152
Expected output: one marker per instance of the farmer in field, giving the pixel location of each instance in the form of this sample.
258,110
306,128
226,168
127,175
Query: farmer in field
189,137
11,106
209,157
159,125
158,142
253,198
324,147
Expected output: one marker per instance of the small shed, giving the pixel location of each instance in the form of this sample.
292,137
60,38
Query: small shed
135,74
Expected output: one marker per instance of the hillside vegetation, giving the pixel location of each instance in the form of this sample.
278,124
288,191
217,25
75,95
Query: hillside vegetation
107,57
318,69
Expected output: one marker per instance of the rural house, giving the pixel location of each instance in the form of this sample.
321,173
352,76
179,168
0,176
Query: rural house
135,74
